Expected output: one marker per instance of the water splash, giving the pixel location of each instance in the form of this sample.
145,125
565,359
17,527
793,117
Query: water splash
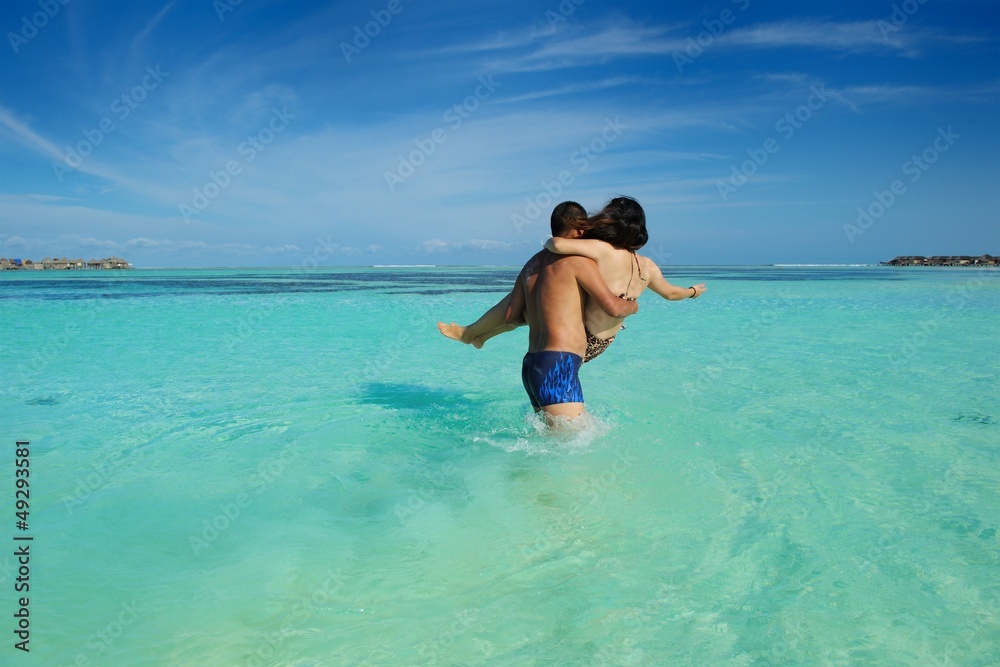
539,436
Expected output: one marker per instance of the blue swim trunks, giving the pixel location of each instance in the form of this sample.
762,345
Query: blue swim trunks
552,377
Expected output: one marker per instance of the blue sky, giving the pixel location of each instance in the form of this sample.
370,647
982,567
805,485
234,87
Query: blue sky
253,133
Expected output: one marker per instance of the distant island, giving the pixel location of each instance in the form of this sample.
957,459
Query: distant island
943,260
63,264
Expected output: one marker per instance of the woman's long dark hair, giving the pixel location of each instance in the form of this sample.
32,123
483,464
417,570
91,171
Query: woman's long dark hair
621,222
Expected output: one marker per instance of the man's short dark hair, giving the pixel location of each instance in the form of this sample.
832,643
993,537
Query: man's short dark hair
567,216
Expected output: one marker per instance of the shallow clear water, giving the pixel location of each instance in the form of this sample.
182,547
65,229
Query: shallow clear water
267,467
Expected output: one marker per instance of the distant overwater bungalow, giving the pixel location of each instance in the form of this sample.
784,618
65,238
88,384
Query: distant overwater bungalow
943,260
63,264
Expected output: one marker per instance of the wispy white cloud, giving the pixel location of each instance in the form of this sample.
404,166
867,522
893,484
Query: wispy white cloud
75,244
89,242
506,39
579,48
139,41
24,135
96,189
473,245
873,35
539,51
859,96
46,198
27,137
574,89
661,156
627,38
838,36
165,244
14,242
260,103
784,77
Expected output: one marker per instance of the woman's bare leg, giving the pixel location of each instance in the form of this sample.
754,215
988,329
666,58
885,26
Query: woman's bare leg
492,323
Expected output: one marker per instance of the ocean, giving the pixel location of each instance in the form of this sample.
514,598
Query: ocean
278,467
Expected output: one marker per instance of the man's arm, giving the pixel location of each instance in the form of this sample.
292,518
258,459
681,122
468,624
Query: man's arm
589,278
515,305
659,284
518,299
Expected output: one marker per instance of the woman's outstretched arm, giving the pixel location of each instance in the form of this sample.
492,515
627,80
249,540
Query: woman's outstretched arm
659,284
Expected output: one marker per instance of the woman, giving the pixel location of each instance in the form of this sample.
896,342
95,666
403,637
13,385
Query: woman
611,238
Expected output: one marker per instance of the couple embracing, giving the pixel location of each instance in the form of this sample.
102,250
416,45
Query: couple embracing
574,296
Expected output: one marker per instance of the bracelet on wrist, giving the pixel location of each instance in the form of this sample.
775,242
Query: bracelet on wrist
694,292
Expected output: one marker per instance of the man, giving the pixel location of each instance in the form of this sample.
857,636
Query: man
550,295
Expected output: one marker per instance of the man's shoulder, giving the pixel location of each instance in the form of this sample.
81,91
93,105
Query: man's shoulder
536,262
577,261
569,267
565,260
552,263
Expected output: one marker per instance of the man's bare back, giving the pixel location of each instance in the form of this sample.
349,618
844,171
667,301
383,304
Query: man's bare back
550,296
554,304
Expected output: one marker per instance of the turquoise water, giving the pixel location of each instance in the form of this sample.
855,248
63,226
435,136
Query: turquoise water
268,467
